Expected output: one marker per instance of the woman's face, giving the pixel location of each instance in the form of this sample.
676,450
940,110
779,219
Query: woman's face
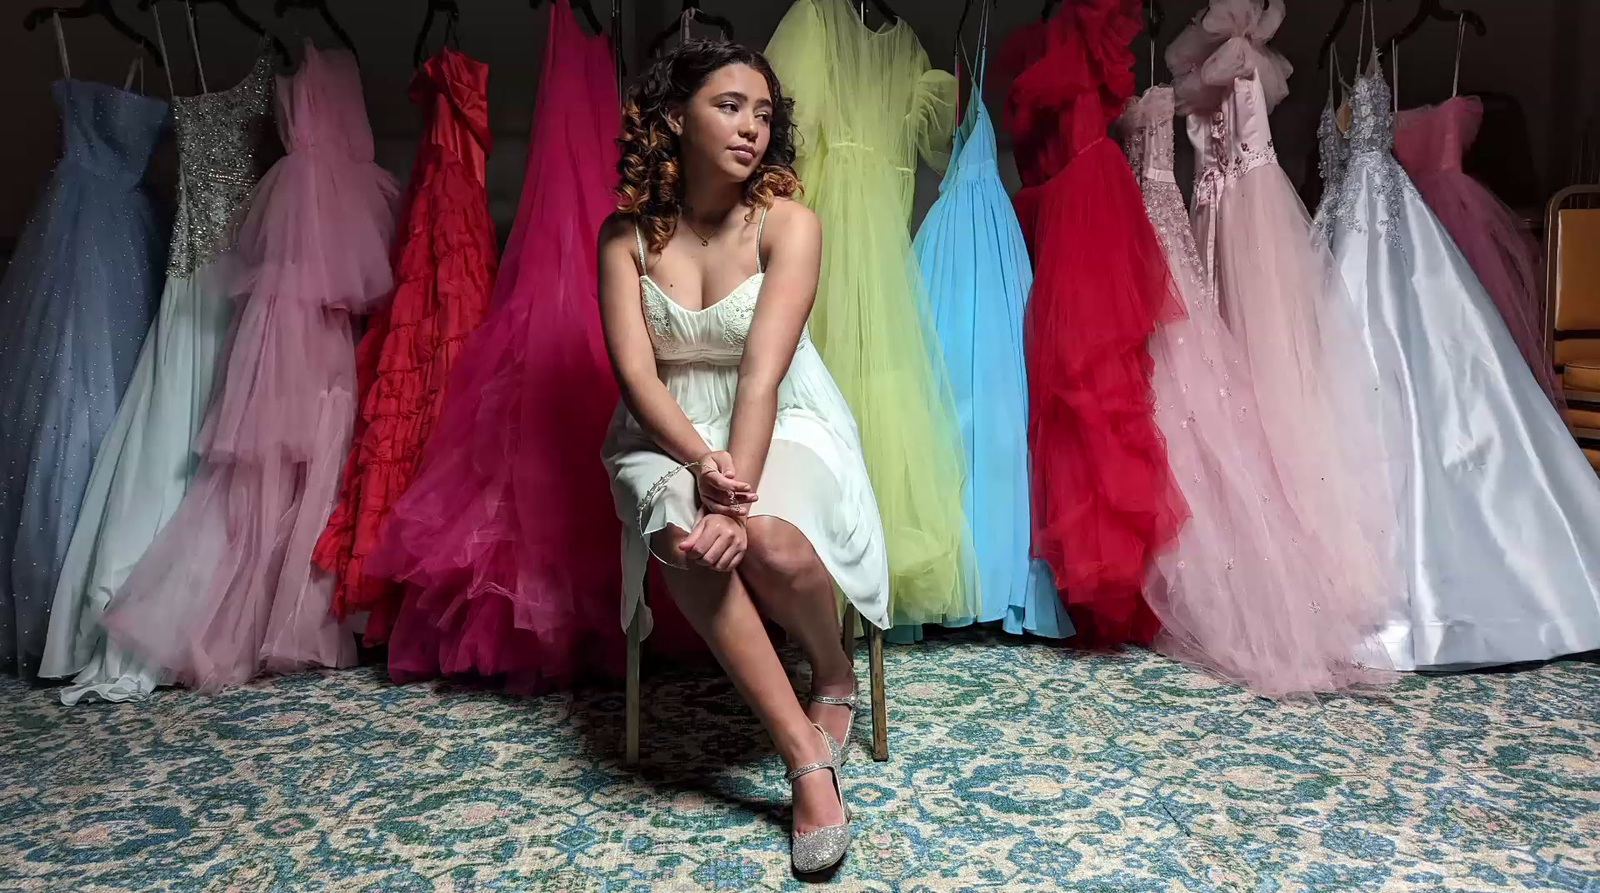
727,122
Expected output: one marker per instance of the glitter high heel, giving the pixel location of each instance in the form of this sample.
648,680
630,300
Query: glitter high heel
823,848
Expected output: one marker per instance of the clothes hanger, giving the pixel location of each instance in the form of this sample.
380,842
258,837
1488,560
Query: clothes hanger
583,8
319,6
452,19
1434,9
1049,7
232,6
691,12
883,9
103,9
1339,21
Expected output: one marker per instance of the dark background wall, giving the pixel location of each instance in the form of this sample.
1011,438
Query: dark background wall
1536,55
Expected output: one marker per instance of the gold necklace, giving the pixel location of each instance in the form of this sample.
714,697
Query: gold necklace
684,216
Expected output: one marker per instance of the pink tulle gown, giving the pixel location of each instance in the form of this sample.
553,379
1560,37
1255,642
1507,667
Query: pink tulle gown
228,588
507,536
1283,299
1430,143
1244,592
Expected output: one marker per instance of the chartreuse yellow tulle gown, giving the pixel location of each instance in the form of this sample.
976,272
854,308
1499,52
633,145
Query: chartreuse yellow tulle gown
867,105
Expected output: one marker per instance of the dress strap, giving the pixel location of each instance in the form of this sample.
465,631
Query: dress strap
61,45
161,44
1461,34
760,228
194,43
638,236
135,68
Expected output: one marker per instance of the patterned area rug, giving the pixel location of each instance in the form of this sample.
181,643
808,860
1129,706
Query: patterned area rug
1015,766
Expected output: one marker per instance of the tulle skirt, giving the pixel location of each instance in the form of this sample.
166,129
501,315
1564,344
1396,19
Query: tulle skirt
1248,591
1505,258
228,587
506,538
870,325
1105,504
76,299
1317,389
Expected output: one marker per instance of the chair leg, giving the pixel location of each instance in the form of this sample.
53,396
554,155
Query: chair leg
631,720
880,695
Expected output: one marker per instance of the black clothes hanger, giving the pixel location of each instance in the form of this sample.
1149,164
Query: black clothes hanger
1339,21
1154,17
582,7
691,10
319,6
1434,9
1049,7
452,19
101,8
232,6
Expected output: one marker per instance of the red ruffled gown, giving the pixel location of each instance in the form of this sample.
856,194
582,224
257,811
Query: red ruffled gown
1105,503
444,271
507,538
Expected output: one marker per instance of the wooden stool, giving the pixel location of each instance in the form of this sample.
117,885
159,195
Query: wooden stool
880,700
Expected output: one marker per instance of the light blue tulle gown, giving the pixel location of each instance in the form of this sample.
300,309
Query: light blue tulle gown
75,302
976,265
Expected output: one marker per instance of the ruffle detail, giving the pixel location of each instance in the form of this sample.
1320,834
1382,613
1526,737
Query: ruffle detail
445,268
1228,40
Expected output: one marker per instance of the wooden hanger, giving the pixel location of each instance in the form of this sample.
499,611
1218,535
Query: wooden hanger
318,6
452,18
580,6
104,10
1433,9
691,10
232,6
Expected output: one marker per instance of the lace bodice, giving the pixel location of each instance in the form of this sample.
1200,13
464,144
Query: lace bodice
226,142
1147,135
1372,107
1331,149
714,335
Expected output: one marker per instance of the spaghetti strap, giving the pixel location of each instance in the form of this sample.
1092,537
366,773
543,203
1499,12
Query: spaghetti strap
1461,34
61,46
638,237
760,228
161,44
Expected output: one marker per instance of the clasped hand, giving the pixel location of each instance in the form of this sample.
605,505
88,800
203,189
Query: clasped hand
718,541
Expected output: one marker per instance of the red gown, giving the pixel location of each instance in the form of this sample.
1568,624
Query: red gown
507,538
1105,502
444,271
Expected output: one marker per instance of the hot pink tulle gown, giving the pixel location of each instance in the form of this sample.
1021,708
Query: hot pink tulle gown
1247,591
1430,143
507,536
228,589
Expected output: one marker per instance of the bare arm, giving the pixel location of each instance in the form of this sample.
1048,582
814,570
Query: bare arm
787,293
633,358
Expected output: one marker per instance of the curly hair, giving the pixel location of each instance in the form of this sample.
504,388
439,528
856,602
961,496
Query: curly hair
651,187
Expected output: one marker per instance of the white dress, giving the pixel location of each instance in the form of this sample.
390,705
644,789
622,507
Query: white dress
815,476
1499,509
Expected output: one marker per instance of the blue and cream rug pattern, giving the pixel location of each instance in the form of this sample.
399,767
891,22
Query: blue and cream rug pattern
1015,767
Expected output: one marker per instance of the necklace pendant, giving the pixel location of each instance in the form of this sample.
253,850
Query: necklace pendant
704,242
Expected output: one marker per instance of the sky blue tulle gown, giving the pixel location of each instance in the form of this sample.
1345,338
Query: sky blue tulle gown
75,302
976,265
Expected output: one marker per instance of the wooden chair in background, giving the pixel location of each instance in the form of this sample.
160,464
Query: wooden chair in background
1572,307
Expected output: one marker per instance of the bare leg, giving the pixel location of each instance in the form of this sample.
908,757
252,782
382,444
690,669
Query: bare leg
792,586
719,608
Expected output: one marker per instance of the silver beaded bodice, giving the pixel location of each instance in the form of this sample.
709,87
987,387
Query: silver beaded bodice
1330,148
1372,119
226,142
